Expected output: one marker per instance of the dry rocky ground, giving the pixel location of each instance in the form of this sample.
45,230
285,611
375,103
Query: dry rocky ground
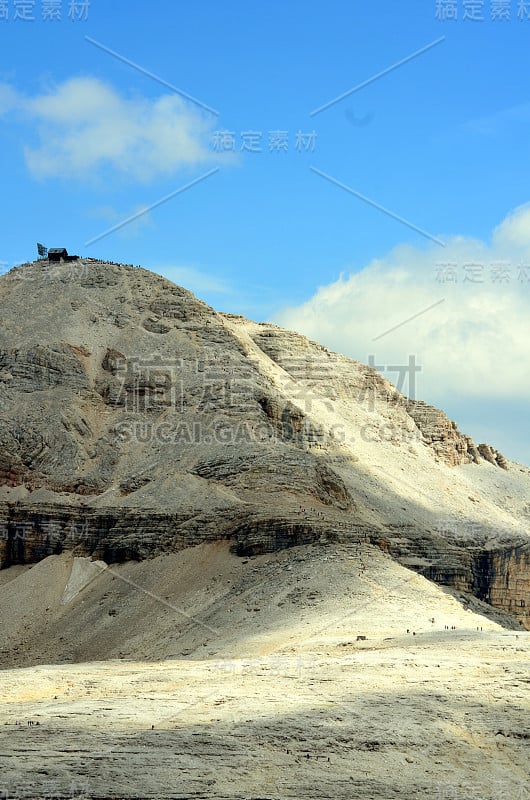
251,672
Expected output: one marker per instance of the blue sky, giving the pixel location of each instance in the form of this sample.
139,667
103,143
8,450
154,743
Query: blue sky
439,141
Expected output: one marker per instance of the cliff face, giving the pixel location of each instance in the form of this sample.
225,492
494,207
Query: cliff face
29,534
442,435
142,421
503,580
499,576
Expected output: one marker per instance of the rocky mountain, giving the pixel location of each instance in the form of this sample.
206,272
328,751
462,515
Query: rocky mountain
135,421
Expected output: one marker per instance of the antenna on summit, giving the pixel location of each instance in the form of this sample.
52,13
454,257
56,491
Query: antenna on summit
43,251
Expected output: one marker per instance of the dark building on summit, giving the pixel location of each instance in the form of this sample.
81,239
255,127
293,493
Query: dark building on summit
60,254
56,253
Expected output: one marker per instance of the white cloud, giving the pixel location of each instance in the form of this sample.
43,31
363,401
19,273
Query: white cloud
9,99
85,126
194,279
514,230
139,216
500,122
473,345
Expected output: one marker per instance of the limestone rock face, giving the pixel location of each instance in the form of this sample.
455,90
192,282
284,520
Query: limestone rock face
489,453
135,419
442,434
496,575
506,582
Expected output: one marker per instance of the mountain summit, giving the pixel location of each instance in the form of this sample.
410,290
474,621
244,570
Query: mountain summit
135,420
